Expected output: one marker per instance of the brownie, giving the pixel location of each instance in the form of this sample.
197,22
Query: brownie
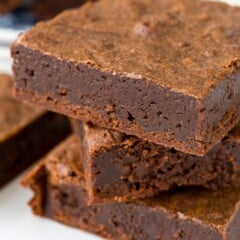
46,9
8,5
188,214
165,71
123,167
26,132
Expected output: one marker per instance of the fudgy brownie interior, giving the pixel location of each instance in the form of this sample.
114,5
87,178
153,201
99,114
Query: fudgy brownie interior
122,167
26,132
60,194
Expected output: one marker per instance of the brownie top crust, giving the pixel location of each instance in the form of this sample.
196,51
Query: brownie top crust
13,114
63,163
184,45
213,208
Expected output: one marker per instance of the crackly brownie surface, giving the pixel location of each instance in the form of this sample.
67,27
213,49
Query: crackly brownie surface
190,214
200,51
26,132
8,5
165,71
123,167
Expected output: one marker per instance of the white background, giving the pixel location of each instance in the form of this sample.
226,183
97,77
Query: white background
16,219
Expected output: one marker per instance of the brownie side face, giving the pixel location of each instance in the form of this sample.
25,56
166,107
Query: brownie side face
190,214
26,132
124,167
169,74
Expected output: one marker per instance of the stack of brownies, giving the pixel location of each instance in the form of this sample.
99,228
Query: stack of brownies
154,88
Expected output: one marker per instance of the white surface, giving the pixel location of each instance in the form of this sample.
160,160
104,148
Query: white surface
5,60
18,223
16,219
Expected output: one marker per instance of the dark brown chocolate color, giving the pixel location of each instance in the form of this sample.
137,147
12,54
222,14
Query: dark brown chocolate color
123,167
190,214
8,5
165,71
26,132
46,9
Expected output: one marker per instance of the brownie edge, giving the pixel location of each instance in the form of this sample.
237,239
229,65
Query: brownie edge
190,214
26,132
187,99
123,167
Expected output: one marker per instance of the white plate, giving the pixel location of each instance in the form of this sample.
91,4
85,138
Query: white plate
16,219
18,223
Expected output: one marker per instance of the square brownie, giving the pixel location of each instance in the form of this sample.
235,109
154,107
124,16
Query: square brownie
165,71
26,132
190,214
123,167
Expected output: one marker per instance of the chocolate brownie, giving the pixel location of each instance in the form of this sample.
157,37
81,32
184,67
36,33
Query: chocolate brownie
165,71
26,132
191,214
124,167
46,9
8,5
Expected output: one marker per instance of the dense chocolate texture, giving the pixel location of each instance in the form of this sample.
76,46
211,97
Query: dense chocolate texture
26,132
185,215
46,9
123,167
8,5
165,71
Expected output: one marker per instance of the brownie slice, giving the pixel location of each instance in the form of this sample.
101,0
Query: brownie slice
190,214
8,5
165,71
124,167
26,132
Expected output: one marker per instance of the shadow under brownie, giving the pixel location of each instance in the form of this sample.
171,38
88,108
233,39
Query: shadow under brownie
169,73
26,132
190,214
123,167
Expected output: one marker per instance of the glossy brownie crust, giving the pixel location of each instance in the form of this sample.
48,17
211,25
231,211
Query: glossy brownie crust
26,132
187,99
185,215
123,167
